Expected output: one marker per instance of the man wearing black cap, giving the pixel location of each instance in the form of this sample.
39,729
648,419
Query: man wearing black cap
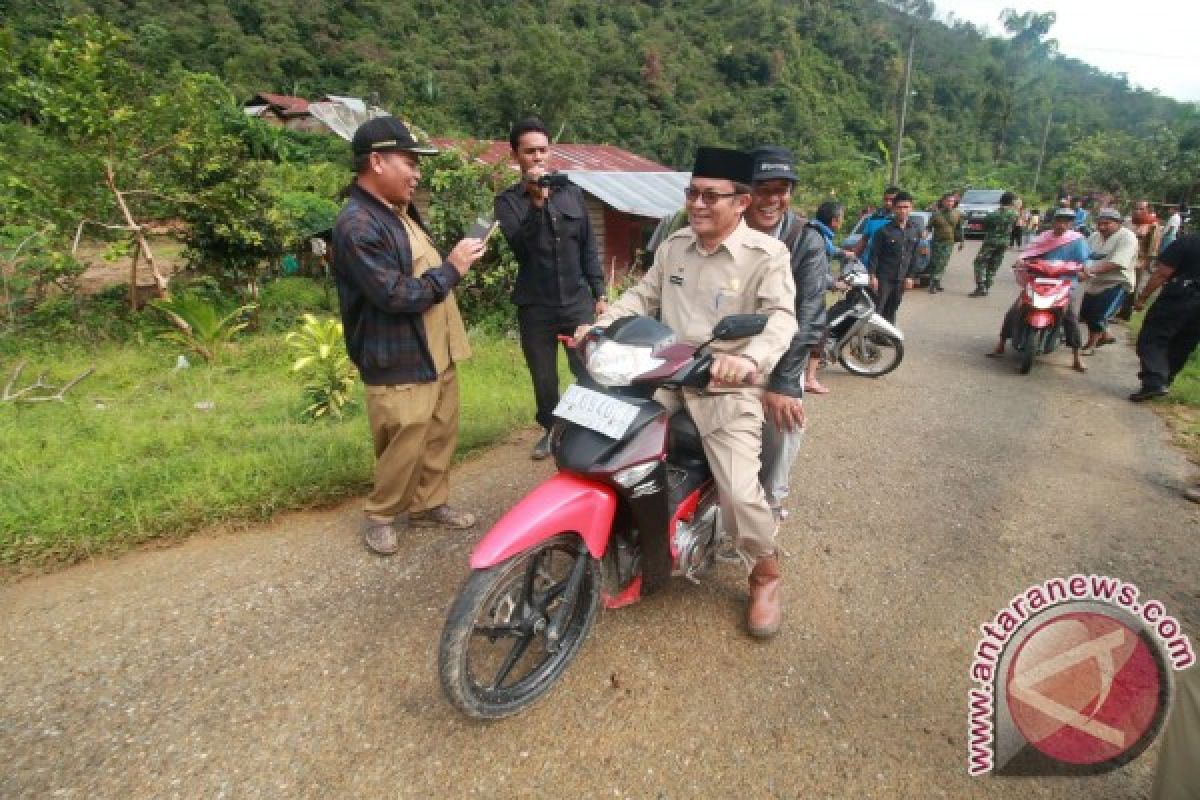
783,404
715,267
403,332
559,281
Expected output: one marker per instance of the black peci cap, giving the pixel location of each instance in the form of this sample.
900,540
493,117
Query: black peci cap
724,164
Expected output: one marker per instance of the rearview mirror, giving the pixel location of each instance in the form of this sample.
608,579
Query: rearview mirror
740,326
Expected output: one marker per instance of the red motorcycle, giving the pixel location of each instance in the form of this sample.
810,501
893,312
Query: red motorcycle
632,505
1041,307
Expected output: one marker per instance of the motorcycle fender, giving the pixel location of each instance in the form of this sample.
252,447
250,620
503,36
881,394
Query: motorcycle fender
1040,319
562,503
882,324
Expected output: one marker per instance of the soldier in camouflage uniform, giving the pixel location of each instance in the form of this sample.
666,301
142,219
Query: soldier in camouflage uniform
947,225
997,228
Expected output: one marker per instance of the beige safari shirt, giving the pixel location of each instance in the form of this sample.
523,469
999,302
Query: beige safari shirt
444,329
690,290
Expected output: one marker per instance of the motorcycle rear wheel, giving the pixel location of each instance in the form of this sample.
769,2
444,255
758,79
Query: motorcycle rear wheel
496,655
871,354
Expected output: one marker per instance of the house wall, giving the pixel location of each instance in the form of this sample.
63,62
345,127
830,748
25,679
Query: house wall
597,215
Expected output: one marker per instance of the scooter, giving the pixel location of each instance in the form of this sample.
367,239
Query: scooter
632,505
859,339
1041,307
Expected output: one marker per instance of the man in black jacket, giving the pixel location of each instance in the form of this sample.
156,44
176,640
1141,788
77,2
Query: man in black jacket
889,256
403,332
783,404
559,282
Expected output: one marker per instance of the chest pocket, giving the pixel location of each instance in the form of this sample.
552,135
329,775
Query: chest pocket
566,223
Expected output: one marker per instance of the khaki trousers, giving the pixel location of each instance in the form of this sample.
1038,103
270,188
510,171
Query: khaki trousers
731,425
414,427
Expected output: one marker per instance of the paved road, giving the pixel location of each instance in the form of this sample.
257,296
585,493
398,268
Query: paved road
286,662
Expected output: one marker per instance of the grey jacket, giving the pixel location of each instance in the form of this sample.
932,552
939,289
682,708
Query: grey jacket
811,272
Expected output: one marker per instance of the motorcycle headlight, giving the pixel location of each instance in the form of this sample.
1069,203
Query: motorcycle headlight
615,364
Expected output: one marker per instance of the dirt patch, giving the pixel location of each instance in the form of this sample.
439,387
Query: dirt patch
101,274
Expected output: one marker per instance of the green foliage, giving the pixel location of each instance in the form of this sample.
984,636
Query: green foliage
461,191
305,214
201,325
36,272
323,361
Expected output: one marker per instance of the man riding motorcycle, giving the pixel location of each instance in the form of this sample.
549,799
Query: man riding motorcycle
715,267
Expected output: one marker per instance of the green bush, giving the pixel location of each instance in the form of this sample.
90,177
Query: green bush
284,301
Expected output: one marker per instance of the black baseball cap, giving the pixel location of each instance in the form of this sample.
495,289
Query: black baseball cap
387,134
772,163
1064,213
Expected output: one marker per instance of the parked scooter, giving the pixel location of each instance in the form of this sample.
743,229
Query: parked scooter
632,505
1041,307
859,339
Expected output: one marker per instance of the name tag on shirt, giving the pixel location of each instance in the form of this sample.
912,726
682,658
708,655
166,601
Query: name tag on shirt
677,280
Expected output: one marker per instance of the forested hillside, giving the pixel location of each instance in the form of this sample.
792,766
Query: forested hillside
659,76
115,113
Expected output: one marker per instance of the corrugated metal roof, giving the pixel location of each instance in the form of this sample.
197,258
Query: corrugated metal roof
563,157
353,103
643,194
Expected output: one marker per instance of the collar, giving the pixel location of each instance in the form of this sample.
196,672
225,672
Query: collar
729,242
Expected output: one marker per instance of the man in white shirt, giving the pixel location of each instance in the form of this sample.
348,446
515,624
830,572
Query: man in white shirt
1174,223
1108,276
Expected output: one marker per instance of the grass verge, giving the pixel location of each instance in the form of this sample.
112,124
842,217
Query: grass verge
142,450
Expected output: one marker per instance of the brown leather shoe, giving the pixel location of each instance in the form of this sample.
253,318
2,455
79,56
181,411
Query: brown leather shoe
442,516
765,613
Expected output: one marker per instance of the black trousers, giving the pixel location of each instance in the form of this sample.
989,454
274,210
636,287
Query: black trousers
539,327
891,292
1170,332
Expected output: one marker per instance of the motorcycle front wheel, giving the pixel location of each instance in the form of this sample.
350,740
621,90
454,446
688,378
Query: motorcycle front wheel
871,354
515,627
1035,342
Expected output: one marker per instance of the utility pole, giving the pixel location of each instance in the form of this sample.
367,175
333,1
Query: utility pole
1037,173
912,41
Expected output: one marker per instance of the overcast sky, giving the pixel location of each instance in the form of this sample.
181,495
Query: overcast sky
1154,43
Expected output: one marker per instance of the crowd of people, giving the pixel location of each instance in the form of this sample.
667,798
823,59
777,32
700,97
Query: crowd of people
737,230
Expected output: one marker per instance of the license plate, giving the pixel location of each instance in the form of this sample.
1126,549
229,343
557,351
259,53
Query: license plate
596,411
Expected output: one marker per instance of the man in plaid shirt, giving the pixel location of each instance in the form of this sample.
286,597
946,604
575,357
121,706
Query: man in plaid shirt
403,332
